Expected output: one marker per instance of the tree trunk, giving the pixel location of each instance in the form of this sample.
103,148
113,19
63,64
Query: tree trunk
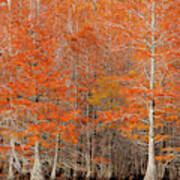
151,167
109,170
151,173
88,136
13,160
88,157
53,172
36,173
10,171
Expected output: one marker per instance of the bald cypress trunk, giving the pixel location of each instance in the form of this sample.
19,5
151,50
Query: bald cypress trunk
151,173
53,172
36,173
10,171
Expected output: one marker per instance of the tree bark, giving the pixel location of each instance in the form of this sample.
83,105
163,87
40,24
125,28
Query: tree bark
10,171
151,173
53,172
36,173
88,157
109,171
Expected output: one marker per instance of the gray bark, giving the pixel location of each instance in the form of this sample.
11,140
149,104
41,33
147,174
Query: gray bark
36,173
53,172
10,171
151,173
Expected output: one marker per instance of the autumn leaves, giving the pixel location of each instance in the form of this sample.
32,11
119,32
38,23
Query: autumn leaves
73,71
